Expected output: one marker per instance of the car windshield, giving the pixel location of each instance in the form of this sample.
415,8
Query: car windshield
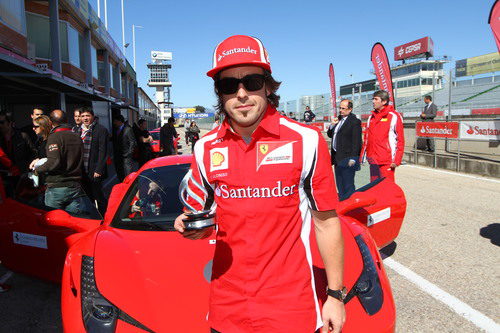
152,203
155,135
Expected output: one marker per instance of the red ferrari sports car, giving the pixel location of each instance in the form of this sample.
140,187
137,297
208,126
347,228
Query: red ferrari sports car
155,145
132,272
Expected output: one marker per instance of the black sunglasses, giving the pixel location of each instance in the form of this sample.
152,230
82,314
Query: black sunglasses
229,85
36,126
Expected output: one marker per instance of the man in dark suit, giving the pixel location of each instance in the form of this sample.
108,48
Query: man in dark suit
124,145
429,113
346,147
167,136
95,153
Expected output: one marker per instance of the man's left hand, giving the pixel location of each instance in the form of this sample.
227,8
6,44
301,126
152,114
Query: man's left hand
422,115
393,166
333,316
97,175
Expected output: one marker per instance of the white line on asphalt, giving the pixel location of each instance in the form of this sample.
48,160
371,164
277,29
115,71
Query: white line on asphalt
464,310
5,277
452,173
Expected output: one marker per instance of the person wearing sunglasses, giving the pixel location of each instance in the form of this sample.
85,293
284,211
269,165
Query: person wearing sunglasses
265,176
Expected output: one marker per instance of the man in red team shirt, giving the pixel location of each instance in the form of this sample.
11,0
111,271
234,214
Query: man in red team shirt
264,175
384,142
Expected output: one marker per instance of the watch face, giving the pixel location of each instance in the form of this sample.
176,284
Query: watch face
343,293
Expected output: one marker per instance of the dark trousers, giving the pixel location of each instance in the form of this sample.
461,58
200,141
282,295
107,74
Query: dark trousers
124,167
344,178
430,144
93,189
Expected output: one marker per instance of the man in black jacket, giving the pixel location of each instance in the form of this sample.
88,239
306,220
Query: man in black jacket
124,144
16,144
167,136
428,114
95,153
63,167
346,147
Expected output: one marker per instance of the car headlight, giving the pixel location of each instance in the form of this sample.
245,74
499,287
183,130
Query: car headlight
367,288
99,315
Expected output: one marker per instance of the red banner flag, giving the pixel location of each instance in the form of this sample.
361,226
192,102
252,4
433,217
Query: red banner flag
332,88
382,70
494,21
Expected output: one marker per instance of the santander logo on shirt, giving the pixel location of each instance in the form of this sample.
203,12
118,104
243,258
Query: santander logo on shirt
225,191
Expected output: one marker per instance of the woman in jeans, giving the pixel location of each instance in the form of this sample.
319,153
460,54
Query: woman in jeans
193,133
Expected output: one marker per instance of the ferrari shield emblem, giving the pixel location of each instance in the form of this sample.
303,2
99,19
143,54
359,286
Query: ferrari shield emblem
264,148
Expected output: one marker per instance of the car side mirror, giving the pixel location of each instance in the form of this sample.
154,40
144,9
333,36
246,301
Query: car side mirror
357,200
61,218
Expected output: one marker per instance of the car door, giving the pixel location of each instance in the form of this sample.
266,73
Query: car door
27,243
384,217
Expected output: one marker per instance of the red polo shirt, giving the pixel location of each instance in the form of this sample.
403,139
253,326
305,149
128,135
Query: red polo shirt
262,192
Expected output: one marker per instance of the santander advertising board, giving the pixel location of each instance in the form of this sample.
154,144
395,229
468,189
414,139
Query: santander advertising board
437,130
480,130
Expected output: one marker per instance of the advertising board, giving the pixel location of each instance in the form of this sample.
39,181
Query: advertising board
488,130
437,129
415,49
486,63
160,55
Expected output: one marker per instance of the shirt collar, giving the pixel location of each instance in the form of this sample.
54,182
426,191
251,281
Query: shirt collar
269,123
383,112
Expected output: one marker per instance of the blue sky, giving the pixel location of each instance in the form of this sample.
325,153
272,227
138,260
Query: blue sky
302,37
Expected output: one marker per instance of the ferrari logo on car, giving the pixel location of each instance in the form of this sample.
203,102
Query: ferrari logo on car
264,148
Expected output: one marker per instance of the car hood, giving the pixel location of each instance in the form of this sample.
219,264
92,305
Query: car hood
150,275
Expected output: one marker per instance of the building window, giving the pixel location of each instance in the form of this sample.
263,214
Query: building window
38,33
73,46
12,14
93,57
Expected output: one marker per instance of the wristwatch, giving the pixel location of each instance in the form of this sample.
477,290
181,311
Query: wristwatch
338,294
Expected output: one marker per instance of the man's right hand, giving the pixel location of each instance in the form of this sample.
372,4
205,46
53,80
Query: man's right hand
191,234
32,164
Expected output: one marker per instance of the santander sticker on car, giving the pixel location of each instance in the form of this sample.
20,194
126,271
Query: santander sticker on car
274,152
29,240
379,216
219,159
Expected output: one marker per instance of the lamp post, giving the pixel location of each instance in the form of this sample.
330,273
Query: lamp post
106,14
133,39
123,29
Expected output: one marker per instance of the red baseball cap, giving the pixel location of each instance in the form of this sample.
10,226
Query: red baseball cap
239,50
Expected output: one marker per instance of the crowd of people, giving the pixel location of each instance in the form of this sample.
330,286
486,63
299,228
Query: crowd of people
71,161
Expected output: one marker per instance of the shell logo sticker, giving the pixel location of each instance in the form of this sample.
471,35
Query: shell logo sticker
219,159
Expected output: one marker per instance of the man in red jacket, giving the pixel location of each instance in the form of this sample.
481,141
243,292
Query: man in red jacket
268,179
384,141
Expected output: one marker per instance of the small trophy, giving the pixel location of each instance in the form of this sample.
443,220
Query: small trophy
196,219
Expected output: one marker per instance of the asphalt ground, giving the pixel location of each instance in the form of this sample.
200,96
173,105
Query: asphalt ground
444,267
